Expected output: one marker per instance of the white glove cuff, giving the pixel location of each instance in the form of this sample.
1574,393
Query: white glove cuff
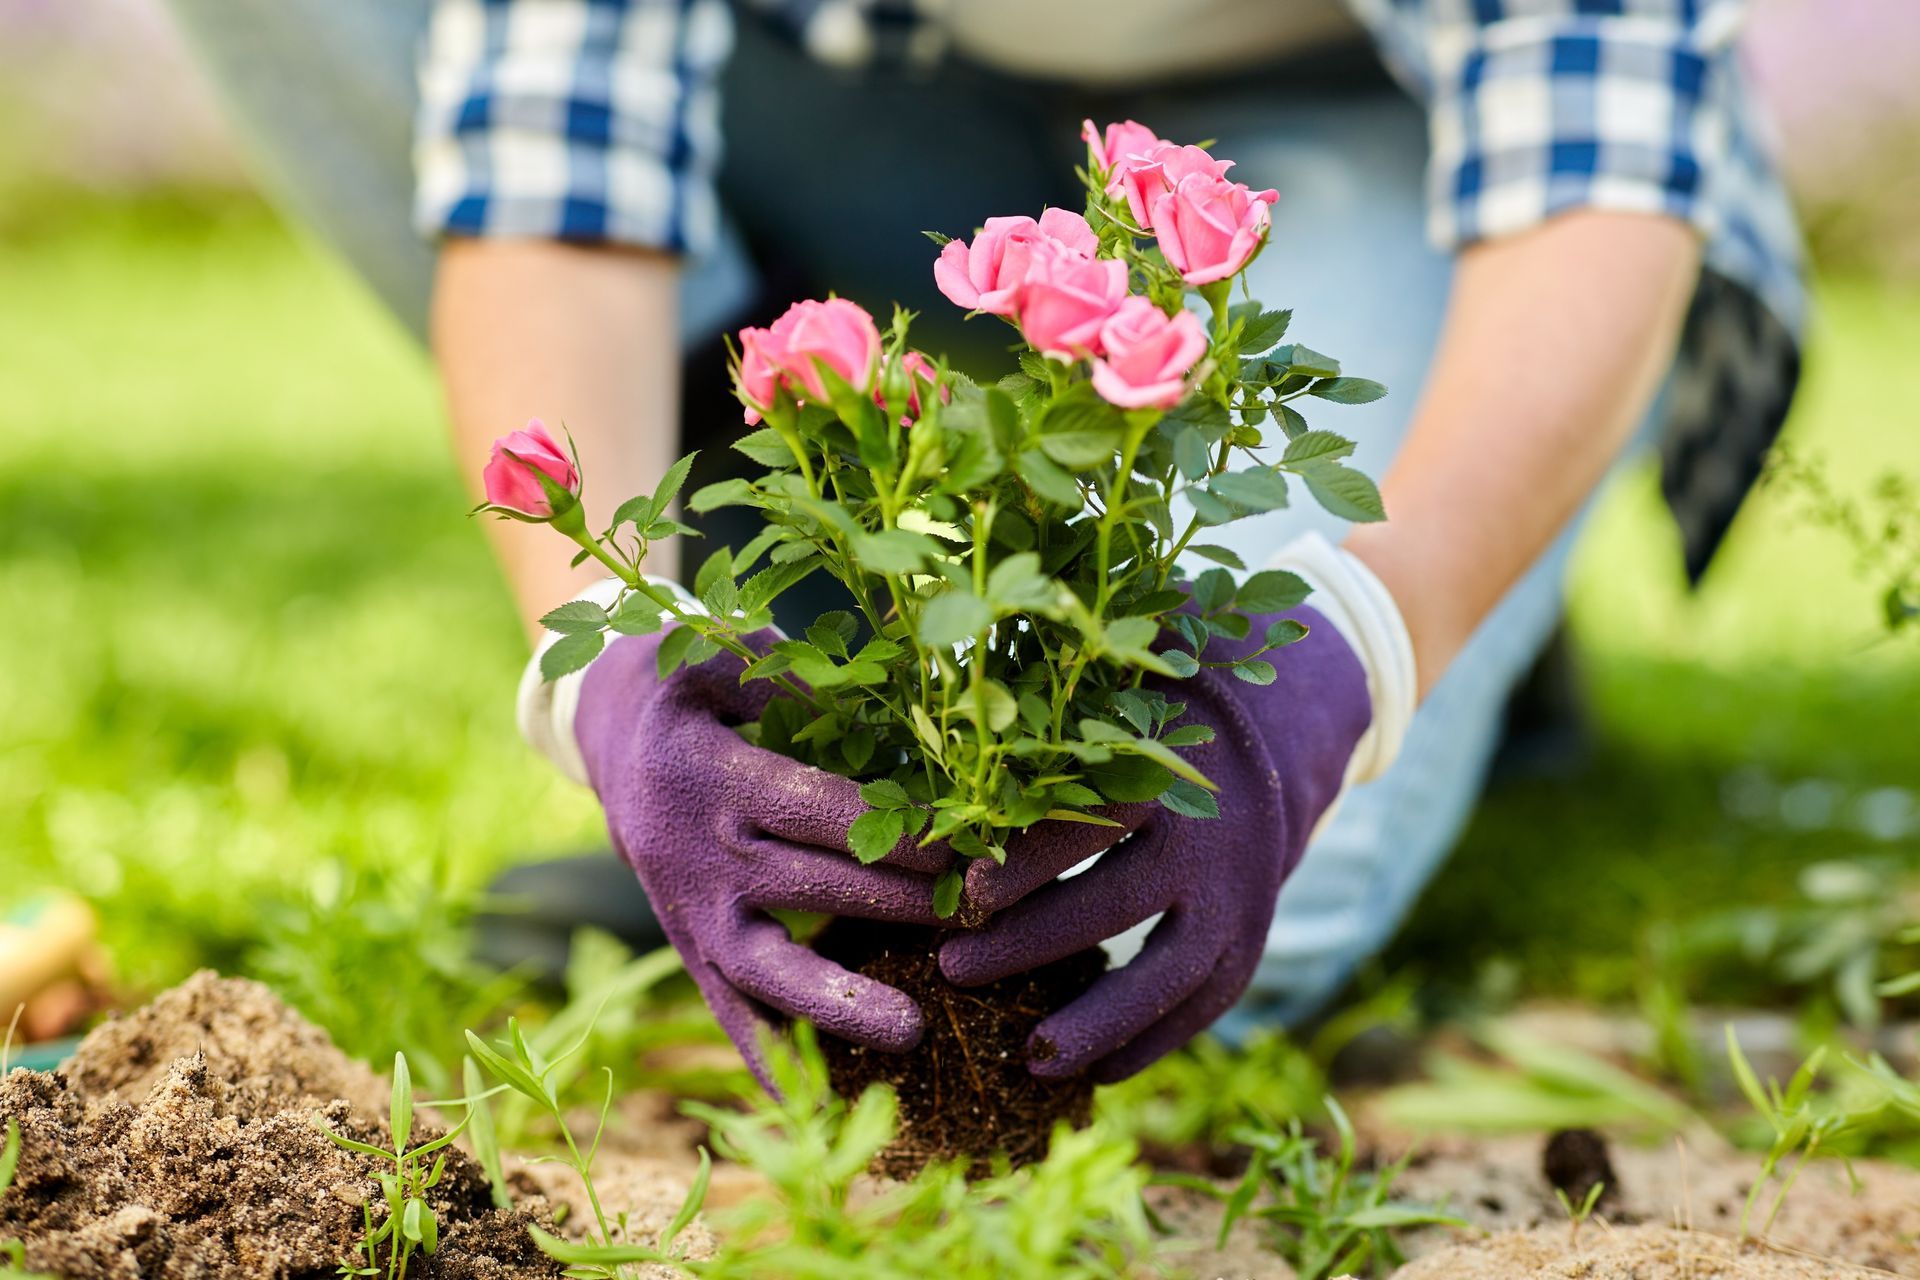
545,709
1357,603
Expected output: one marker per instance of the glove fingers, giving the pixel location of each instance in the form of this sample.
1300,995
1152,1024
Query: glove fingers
1201,1010
744,1022
1072,915
1041,853
803,878
762,961
811,806
1177,961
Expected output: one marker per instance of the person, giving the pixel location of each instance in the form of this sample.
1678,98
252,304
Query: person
1549,225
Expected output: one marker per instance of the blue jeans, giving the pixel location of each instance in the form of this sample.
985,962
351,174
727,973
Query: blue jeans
324,92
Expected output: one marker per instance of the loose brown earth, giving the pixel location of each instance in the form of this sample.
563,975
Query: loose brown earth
965,1091
183,1140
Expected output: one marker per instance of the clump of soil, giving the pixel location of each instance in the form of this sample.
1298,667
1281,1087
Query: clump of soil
1575,1162
965,1091
181,1141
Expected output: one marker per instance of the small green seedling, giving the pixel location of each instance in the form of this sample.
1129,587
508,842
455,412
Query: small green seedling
410,1223
1326,1218
1577,1215
1797,1124
525,1070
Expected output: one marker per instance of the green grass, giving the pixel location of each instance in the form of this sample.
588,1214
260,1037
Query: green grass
258,666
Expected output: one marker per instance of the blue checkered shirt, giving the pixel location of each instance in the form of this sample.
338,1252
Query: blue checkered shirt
598,120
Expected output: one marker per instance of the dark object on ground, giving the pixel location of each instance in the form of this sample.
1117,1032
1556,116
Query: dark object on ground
181,1141
535,908
965,1091
1574,1160
1547,731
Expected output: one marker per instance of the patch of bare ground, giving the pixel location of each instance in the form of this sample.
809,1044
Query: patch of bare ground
181,1141
1621,1253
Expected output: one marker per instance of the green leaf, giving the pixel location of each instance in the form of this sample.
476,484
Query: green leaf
885,794
875,832
1190,801
765,447
1219,555
732,492
1309,446
635,616
1048,480
1188,735
1001,708
717,568
1180,662
1081,430
1129,779
946,893
1254,671
1213,590
1346,493
696,1196
1081,449
811,664
1271,591
1191,454
1017,585
575,616
637,511
512,1073
1210,509
1264,331
894,551
570,653
953,616
670,483
673,649
400,1104
1034,365
1256,489
1284,632
1303,359
1290,421
1348,390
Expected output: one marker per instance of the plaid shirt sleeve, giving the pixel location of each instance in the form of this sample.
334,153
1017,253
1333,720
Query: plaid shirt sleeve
580,120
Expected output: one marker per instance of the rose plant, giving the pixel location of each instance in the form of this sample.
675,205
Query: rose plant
1014,550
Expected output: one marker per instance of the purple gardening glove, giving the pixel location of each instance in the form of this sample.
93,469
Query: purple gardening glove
1279,759
719,831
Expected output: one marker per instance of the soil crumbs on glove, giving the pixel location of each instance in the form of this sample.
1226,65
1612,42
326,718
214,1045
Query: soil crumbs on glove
965,1091
181,1140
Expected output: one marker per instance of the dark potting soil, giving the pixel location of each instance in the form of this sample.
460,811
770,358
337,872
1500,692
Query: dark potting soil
182,1140
965,1091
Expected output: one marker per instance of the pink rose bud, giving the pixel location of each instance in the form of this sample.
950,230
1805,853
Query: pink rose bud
987,275
921,375
1147,355
1066,299
510,477
1122,139
1209,228
836,333
1144,178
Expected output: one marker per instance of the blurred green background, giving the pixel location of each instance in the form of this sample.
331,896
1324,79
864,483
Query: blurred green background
257,670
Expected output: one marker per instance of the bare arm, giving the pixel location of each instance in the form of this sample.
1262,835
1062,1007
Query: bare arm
587,337
1554,346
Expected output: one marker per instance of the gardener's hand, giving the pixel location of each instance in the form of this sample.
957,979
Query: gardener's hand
719,831
1280,758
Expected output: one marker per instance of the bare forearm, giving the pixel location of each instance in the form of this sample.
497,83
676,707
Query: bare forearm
581,336
1554,346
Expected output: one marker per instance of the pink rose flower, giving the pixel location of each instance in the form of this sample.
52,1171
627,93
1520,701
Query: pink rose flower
1144,178
1209,228
1123,138
1066,299
920,374
987,274
836,333
1147,355
509,480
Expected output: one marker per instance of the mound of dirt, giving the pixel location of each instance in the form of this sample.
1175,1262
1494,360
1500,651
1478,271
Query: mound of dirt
1625,1253
181,1141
